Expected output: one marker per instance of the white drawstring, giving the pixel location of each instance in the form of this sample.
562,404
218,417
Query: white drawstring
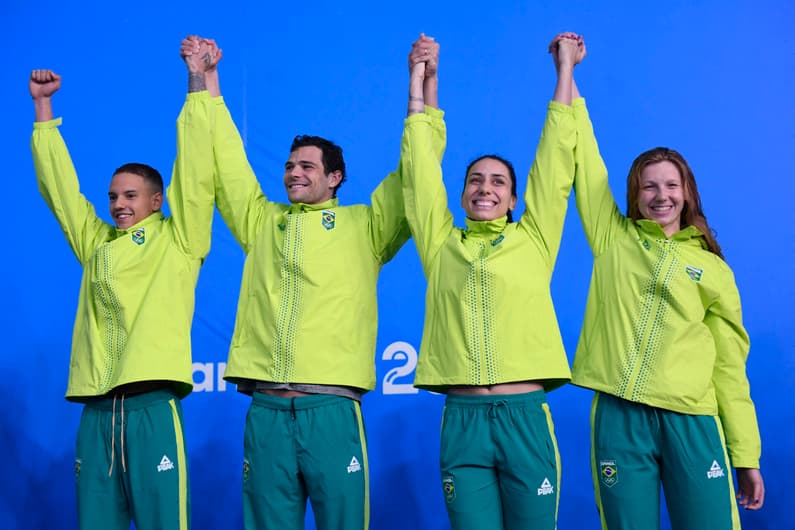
121,435
113,436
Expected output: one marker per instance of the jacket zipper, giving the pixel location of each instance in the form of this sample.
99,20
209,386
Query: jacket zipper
657,300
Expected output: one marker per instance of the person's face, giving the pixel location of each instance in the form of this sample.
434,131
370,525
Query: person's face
305,179
132,199
487,192
662,196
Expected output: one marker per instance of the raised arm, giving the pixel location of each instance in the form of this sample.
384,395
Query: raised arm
238,195
424,88
550,178
581,53
55,173
416,104
424,138
211,74
423,69
565,52
43,84
190,195
430,80
389,226
600,216
211,55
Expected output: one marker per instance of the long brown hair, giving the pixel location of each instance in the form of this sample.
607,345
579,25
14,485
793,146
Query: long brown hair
692,213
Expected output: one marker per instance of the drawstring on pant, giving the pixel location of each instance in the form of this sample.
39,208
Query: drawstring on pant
113,436
495,405
121,435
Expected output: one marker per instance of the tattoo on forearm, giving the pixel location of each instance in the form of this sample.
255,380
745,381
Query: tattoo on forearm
196,82
416,105
208,59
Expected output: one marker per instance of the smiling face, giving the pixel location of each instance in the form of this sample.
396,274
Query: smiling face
132,199
305,178
661,196
487,191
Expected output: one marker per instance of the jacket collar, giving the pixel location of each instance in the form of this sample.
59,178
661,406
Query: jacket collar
653,229
486,229
300,207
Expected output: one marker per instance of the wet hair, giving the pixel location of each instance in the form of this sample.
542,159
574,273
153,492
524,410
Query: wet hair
331,154
692,213
150,175
511,174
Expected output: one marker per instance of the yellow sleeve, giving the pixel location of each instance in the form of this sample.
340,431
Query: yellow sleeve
550,178
190,194
238,195
598,211
424,194
58,184
732,390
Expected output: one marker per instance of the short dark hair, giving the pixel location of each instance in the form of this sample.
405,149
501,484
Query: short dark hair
511,173
150,175
331,154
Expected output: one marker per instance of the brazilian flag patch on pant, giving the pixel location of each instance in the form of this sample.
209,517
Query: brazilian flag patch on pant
448,486
608,473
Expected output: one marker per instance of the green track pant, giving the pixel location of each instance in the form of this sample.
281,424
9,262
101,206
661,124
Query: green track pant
305,447
130,464
500,462
636,447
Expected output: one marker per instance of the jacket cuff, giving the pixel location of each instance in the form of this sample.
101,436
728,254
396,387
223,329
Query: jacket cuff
50,124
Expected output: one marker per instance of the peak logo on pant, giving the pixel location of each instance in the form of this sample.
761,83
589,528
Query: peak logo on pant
354,466
715,471
165,464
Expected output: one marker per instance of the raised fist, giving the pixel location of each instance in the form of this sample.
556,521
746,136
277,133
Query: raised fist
44,83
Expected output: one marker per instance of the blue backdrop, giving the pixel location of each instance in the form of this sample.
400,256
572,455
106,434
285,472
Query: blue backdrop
709,78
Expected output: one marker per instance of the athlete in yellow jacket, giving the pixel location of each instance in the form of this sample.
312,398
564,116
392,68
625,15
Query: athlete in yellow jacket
131,355
664,346
491,340
304,339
